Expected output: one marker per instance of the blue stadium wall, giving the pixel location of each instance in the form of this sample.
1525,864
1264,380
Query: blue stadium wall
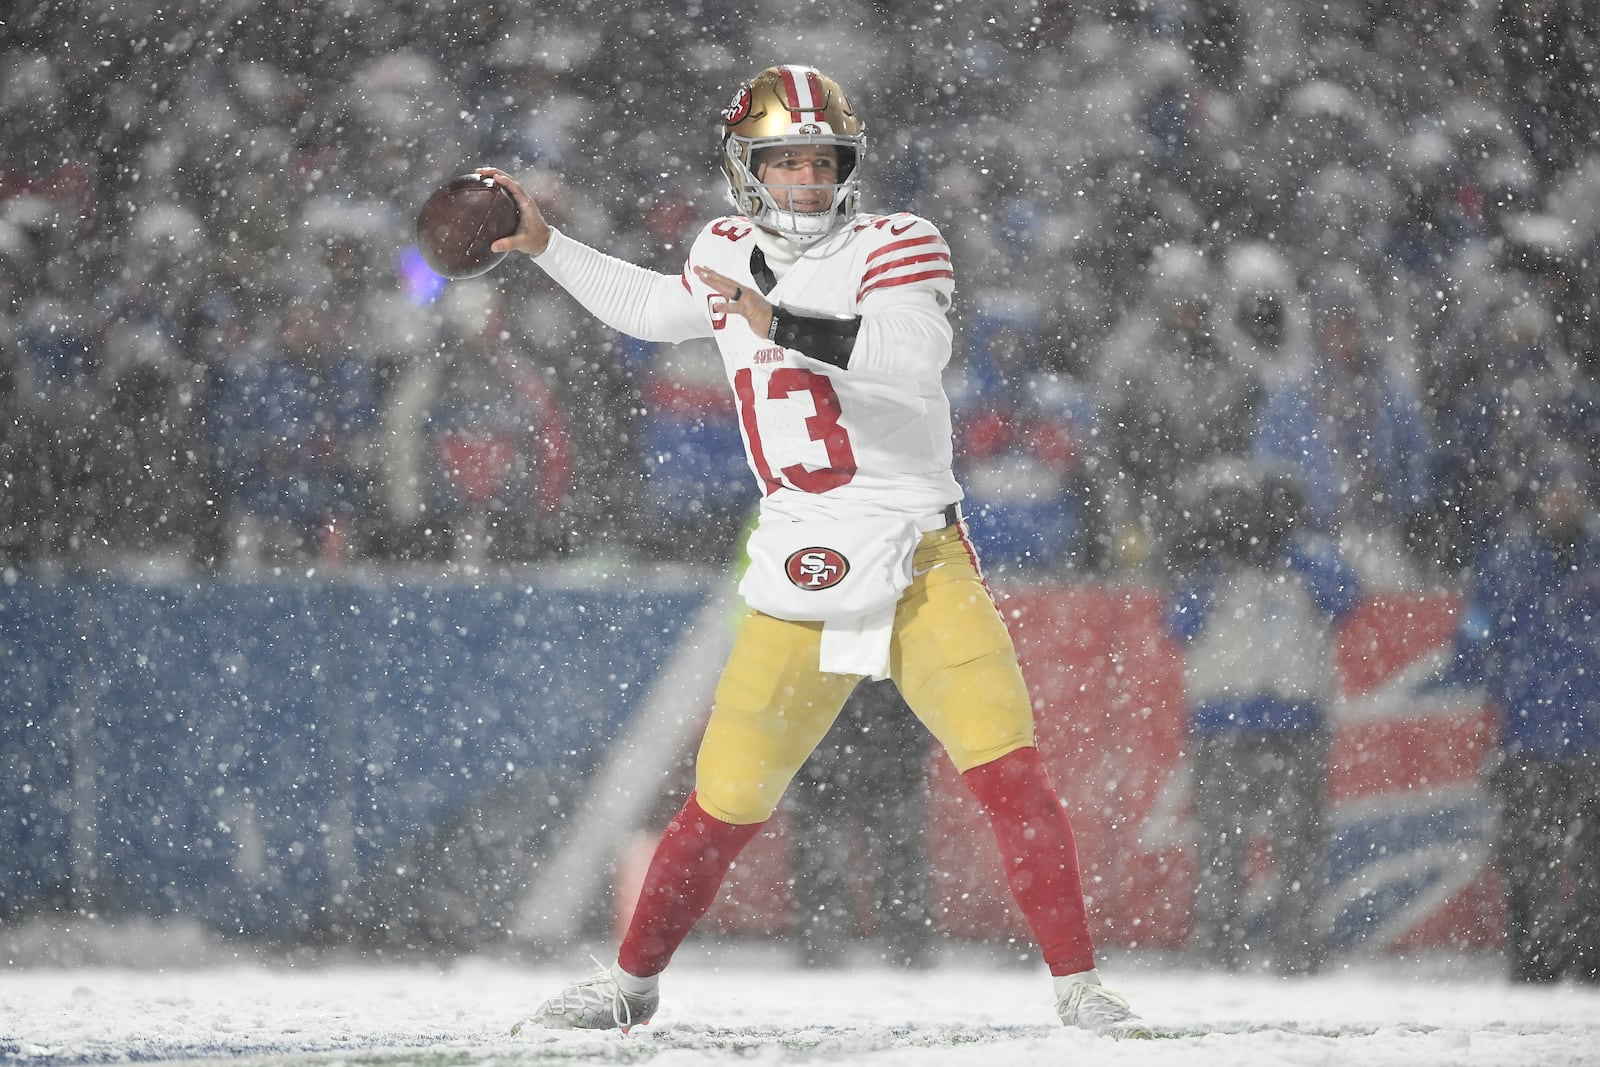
306,758
390,762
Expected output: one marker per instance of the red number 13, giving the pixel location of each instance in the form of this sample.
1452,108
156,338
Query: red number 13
823,426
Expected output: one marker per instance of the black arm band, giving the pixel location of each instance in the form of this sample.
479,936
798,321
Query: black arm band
827,340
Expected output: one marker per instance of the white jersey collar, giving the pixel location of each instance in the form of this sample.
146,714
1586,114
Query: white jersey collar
782,253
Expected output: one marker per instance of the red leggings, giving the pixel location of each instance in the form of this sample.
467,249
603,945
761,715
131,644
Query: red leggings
1040,855
1030,828
692,858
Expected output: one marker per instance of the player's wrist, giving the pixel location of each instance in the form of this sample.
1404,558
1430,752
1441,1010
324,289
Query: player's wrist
826,340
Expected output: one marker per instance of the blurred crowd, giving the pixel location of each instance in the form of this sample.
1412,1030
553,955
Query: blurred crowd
1352,239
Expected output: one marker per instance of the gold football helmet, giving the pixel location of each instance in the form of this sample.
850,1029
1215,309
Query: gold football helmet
791,105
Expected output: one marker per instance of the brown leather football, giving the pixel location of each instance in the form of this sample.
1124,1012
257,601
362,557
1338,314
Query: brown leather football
459,222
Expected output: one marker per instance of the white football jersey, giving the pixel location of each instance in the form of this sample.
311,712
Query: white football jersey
822,442
826,442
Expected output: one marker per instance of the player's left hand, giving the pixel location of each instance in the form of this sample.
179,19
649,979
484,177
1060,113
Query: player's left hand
740,299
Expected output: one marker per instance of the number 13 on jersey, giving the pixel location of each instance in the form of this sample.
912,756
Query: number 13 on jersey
783,384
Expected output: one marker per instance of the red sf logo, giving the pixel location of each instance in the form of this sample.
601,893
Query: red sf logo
735,112
816,568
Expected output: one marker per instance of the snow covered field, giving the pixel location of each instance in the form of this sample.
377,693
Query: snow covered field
745,1004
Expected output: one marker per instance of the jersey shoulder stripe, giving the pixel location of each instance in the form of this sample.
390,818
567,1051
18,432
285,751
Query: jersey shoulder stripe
909,250
927,255
908,279
910,242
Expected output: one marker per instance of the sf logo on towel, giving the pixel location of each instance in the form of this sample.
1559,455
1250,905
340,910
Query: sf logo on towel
816,568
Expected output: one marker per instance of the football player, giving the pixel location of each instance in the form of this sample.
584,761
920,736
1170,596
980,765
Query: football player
832,328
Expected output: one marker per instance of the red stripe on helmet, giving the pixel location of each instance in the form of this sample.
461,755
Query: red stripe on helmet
802,91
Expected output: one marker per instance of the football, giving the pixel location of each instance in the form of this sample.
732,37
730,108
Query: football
459,222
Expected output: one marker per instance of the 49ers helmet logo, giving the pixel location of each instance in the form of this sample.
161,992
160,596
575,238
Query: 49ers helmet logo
735,112
816,568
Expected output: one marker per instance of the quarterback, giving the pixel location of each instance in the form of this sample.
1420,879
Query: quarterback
833,333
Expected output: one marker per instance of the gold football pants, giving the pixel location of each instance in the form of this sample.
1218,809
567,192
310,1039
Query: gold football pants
951,656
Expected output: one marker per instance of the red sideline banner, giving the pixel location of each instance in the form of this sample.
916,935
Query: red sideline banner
1409,823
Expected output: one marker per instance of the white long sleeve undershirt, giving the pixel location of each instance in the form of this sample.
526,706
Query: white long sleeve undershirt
637,301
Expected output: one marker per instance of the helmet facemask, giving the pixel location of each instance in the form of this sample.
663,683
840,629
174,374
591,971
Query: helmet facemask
790,107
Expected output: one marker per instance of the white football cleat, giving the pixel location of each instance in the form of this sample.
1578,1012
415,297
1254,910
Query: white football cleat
1090,1006
594,1003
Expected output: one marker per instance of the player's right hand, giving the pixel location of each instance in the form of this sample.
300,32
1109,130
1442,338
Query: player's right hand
533,235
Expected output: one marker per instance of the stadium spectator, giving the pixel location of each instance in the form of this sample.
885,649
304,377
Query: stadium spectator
1352,426
1318,124
1255,609
1261,318
152,479
1528,635
1344,216
294,417
1549,53
44,154
1173,398
58,359
1026,446
23,485
493,445
1513,396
